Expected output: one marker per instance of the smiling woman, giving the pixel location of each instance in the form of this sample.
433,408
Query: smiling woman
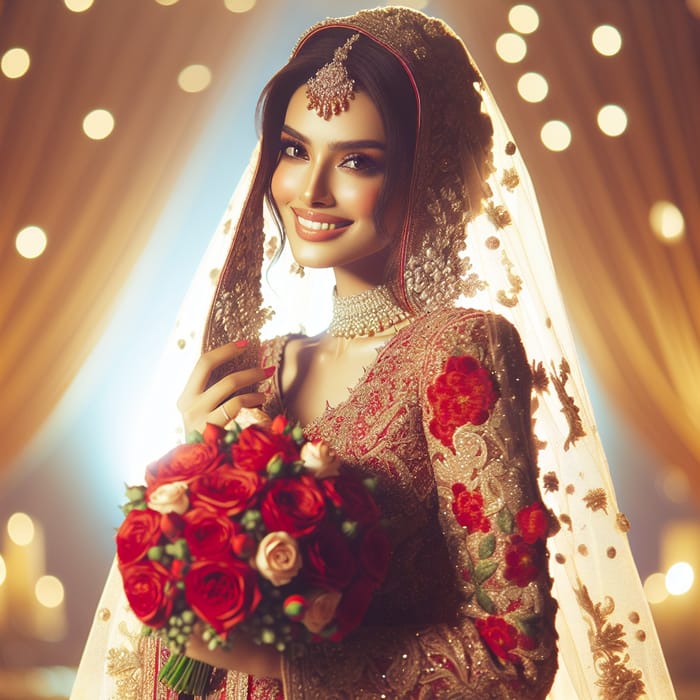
384,158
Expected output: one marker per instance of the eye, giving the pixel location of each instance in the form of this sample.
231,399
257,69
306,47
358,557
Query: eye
292,149
361,162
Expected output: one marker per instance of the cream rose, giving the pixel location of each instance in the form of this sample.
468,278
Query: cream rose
321,459
170,498
278,558
252,416
320,610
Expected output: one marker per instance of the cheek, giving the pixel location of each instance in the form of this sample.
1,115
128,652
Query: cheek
283,184
359,197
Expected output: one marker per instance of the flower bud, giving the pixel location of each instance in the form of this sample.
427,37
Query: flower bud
275,466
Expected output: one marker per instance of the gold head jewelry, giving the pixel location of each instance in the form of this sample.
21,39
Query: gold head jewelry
331,89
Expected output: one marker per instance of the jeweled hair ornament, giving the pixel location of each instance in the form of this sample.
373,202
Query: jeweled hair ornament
331,89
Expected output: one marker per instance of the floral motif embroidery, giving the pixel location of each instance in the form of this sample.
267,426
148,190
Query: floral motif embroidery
499,636
550,482
463,393
597,499
523,562
468,508
509,299
533,523
568,407
616,680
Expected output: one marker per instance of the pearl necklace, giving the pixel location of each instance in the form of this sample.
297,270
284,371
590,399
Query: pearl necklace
365,314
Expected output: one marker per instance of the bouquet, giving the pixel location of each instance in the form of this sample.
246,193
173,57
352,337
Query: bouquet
250,528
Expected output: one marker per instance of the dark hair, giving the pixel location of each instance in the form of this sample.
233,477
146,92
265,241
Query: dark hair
375,72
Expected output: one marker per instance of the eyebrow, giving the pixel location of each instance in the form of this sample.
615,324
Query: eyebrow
337,145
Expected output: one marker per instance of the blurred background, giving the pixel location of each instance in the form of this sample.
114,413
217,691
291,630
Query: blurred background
124,126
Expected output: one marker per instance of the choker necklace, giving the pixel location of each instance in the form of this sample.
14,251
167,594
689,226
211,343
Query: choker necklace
365,314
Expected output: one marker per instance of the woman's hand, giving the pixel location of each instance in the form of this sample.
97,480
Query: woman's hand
199,405
244,656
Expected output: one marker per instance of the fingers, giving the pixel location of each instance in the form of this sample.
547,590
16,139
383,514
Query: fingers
232,383
208,362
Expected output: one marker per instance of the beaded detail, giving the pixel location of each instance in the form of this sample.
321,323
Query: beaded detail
365,314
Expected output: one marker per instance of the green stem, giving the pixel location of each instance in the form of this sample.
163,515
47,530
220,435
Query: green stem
185,675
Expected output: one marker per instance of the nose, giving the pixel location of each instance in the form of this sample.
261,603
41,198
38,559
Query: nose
317,191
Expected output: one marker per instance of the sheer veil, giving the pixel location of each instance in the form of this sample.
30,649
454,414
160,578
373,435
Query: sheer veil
495,259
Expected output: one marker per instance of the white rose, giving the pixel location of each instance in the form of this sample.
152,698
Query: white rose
252,416
170,498
278,558
321,459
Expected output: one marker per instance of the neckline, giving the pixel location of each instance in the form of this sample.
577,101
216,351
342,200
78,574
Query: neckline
313,425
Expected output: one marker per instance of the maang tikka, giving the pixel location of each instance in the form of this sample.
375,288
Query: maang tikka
331,89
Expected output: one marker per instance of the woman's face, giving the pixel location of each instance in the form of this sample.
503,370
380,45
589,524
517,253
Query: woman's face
327,182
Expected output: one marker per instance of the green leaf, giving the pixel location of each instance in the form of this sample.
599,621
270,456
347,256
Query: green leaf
485,601
484,570
505,520
487,546
194,436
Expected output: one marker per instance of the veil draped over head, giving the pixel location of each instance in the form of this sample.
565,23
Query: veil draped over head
472,235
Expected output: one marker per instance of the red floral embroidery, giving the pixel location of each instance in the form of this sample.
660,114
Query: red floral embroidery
533,523
463,393
499,636
468,507
523,561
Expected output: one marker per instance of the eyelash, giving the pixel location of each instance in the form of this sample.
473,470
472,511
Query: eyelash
363,163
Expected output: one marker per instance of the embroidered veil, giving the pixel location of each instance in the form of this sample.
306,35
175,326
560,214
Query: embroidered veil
454,249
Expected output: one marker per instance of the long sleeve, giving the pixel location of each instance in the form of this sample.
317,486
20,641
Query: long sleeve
492,633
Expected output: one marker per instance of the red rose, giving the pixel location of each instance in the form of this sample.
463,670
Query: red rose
468,507
213,434
295,506
147,587
208,534
350,494
533,523
279,424
139,531
375,551
257,446
222,593
523,561
183,463
463,393
227,489
499,636
353,607
330,564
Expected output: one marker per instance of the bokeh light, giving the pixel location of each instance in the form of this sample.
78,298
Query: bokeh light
667,221
49,591
607,40
612,120
15,62
3,570
239,5
679,578
78,5
98,124
511,48
523,19
655,588
20,528
556,135
533,87
31,242
194,78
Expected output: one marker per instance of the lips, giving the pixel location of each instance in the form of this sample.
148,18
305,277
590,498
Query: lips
316,226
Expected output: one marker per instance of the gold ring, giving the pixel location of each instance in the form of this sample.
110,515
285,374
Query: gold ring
225,412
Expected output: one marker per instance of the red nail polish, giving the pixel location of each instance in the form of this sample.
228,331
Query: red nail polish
269,371
241,343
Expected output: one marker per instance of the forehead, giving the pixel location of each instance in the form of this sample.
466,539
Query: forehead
361,121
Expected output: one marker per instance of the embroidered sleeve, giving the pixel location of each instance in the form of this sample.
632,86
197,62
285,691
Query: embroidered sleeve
498,639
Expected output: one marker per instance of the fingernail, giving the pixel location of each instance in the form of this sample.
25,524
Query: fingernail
269,371
241,343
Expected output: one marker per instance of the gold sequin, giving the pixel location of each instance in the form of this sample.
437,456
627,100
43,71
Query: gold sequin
622,523
492,243
570,488
634,617
566,520
227,227
559,558
104,614
641,635
582,550
510,179
181,343
510,148
611,552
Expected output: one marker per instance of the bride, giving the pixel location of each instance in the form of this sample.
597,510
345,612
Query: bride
447,372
